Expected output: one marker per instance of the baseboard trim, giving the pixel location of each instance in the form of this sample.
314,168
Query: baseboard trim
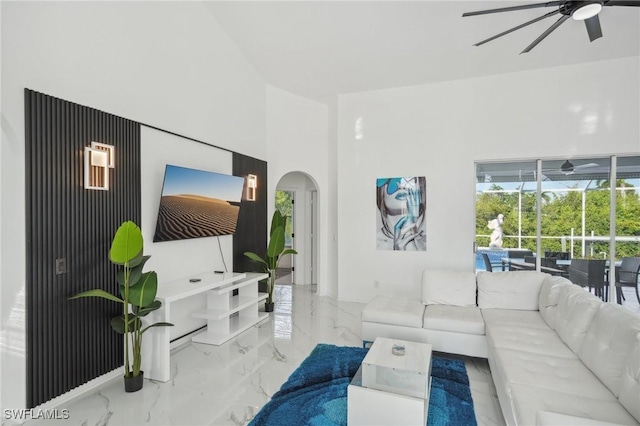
60,401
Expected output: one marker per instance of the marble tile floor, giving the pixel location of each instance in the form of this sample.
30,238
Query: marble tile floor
228,384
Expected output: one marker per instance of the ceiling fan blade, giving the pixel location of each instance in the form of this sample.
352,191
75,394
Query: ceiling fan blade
585,166
546,33
593,28
513,8
518,27
622,3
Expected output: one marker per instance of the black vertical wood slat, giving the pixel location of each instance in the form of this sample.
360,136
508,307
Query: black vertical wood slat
251,231
29,106
71,342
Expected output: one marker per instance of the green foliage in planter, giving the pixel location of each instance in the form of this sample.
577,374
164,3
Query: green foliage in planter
275,252
137,293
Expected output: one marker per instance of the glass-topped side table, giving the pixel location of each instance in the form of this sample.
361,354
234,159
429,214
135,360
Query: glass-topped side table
391,389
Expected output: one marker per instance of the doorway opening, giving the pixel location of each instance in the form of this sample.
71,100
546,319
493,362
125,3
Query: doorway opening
297,199
284,203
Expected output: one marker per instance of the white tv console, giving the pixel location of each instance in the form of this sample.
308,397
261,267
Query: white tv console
227,315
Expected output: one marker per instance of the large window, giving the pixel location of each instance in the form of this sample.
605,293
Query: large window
559,206
575,213
627,229
506,195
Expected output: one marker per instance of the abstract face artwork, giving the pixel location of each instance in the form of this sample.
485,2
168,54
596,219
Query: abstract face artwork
400,223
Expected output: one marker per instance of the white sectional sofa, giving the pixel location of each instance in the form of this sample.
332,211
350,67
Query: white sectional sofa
558,355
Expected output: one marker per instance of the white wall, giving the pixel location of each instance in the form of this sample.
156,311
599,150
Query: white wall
166,64
297,141
332,199
439,130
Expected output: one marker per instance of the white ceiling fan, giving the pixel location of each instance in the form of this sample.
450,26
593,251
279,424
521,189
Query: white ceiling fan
568,168
586,11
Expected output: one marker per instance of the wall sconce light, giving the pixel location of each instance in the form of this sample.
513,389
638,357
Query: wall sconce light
252,184
98,159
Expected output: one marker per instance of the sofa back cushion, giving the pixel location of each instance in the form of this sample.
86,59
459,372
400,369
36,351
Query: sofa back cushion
630,381
509,290
453,288
608,343
548,300
575,311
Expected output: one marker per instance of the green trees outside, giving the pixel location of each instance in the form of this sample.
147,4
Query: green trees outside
562,211
285,205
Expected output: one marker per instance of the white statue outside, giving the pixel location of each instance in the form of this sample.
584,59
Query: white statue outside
496,234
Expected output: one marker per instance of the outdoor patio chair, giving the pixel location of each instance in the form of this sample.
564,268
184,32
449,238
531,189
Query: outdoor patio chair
590,273
487,263
560,255
627,276
532,260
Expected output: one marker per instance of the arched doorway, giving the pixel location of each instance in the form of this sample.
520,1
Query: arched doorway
297,198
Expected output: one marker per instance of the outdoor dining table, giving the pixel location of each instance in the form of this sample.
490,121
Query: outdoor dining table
519,263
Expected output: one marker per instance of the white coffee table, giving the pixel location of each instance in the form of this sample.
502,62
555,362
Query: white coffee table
390,389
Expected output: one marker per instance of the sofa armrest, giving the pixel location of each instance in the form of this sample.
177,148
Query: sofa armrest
548,418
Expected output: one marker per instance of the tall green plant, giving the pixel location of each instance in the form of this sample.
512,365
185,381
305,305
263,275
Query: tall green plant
137,293
275,252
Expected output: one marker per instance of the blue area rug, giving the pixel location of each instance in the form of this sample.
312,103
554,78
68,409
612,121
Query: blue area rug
316,392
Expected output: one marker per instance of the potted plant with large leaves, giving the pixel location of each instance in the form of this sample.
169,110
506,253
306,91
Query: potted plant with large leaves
137,295
275,251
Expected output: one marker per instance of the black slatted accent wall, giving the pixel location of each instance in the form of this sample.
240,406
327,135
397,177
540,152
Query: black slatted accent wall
70,342
251,232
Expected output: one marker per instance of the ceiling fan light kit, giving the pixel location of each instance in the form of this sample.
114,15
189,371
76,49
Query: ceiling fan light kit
586,11
567,167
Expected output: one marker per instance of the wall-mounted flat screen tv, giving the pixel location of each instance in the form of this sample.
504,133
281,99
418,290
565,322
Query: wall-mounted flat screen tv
197,203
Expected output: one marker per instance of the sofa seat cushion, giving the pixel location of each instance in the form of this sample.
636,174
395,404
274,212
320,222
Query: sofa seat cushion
394,311
547,418
514,318
527,400
567,375
523,330
510,290
543,342
453,318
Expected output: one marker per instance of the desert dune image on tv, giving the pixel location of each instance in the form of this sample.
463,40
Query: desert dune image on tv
197,203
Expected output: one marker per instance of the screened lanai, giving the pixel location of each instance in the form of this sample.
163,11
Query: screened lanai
560,205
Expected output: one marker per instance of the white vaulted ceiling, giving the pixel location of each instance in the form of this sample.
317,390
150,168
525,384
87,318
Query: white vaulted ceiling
319,49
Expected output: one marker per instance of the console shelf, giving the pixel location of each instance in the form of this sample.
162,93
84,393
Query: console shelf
248,279
237,304
236,325
227,314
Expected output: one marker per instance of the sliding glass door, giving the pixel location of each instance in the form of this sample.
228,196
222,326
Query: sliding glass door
559,206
